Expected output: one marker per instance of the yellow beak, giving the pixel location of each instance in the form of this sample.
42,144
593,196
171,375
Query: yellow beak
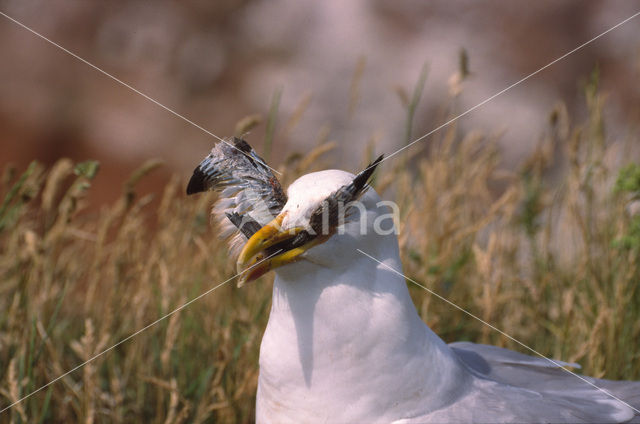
255,260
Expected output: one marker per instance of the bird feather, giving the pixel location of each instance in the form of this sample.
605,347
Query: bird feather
250,195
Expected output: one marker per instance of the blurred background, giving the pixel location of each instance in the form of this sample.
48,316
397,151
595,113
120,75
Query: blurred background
333,70
525,211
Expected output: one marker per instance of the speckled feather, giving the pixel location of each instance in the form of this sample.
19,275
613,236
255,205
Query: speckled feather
250,195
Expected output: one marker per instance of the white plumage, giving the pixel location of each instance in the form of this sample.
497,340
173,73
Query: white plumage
344,343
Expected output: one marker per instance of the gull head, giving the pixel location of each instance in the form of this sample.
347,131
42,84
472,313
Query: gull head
321,208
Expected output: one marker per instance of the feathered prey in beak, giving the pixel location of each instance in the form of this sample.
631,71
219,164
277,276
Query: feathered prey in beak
250,206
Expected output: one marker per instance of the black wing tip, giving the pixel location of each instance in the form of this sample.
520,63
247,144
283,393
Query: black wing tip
242,145
197,182
377,161
361,179
370,169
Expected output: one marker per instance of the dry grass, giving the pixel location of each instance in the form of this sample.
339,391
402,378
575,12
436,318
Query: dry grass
551,260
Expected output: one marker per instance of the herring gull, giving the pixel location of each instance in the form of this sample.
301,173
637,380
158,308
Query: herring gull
344,342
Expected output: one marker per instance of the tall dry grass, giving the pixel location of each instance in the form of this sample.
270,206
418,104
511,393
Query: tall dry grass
549,253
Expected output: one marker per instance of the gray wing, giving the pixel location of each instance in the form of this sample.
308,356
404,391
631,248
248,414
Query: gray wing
534,389
250,195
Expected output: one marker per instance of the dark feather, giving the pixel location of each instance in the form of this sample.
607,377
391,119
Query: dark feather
245,224
197,182
250,195
359,182
336,202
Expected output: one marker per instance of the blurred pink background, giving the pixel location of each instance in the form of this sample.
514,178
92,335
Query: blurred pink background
217,61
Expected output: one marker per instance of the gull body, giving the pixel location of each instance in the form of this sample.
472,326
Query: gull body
344,343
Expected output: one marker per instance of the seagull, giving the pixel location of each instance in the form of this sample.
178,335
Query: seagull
344,342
